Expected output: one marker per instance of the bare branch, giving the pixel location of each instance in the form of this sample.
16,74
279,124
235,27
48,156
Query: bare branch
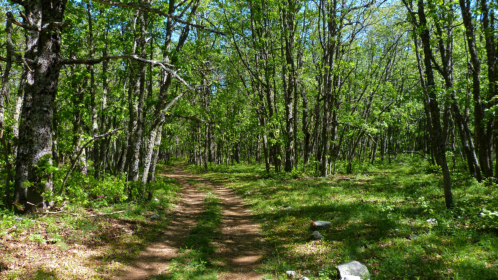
91,61
163,65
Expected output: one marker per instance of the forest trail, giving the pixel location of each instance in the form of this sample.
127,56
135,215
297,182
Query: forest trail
239,248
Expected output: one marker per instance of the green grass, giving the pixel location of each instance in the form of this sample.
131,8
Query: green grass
379,217
115,239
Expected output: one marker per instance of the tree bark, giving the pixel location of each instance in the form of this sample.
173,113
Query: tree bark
35,139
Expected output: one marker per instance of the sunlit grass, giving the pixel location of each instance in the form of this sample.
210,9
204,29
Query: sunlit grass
379,217
89,240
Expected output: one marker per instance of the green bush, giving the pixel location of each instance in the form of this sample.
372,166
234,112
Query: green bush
83,189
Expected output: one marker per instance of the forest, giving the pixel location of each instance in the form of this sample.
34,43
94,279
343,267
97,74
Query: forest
376,115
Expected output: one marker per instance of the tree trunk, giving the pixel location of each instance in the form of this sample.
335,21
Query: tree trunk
136,139
35,139
95,126
482,143
434,106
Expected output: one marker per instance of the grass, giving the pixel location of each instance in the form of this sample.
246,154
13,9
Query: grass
379,217
75,244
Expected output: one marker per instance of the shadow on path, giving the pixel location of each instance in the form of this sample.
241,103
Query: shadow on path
233,250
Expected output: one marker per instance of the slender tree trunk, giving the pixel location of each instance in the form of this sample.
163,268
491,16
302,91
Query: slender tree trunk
488,24
481,140
434,106
95,126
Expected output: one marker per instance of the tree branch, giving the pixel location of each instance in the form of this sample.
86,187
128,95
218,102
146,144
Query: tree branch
23,25
91,61
158,12
75,159
163,65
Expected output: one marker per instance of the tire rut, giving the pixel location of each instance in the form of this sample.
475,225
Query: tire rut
156,258
238,249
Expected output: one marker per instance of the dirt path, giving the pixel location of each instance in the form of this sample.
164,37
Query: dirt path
238,249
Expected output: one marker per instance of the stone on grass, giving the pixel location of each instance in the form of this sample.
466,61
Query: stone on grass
353,268
351,277
320,225
291,273
304,278
316,235
154,216
432,221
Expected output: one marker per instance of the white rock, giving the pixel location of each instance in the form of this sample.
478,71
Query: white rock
316,235
432,221
321,224
291,273
304,278
353,268
351,277
154,216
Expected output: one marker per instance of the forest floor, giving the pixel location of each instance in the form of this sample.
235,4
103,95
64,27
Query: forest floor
204,231
240,222
391,217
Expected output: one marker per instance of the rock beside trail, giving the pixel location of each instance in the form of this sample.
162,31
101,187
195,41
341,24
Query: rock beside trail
320,225
291,273
353,270
154,216
351,277
316,235
432,221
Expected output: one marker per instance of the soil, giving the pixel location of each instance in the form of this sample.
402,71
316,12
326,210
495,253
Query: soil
239,250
